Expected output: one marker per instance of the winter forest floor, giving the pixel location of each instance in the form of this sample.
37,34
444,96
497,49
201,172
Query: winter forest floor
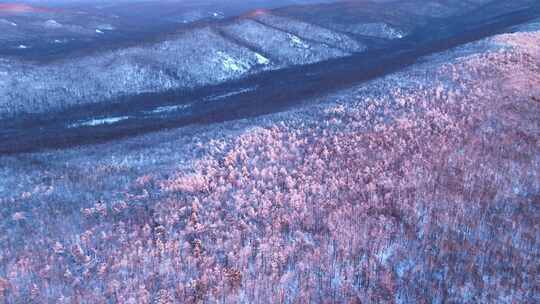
419,187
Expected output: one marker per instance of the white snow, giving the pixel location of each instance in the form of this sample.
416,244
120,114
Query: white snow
261,59
166,109
8,22
52,24
385,253
105,27
232,64
396,33
222,96
100,121
297,42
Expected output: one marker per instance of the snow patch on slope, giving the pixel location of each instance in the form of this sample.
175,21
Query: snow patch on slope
168,109
5,21
52,24
232,64
297,42
230,94
261,59
100,121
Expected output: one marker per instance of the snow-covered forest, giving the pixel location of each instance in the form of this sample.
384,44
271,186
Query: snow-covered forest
418,187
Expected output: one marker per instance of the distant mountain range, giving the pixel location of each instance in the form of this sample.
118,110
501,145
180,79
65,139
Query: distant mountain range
55,58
